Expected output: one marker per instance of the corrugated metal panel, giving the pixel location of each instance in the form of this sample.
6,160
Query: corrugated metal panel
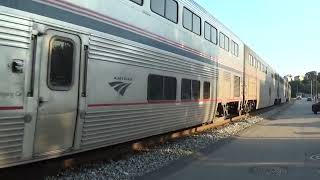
252,87
125,123
226,91
14,32
11,138
114,51
236,86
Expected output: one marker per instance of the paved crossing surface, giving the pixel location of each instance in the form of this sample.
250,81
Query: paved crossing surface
286,146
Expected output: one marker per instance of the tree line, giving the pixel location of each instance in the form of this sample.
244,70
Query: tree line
304,86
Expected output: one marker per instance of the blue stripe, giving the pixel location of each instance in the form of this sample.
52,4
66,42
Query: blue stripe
63,15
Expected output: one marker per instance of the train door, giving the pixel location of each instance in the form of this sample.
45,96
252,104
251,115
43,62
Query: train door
58,92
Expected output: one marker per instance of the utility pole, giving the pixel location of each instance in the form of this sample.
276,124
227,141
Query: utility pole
311,90
316,86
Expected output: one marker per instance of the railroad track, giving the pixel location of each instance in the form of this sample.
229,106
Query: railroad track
39,170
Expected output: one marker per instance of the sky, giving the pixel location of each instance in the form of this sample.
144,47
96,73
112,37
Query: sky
285,33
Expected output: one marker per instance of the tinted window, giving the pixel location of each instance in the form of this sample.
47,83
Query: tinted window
166,8
207,31
196,28
155,87
172,11
236,49
210,33
191,21
206,90
232,47
224,41
221,40
140,2
170,88
251,61
187,19
161,88
214,33
196,90
186,89
157,6
61,64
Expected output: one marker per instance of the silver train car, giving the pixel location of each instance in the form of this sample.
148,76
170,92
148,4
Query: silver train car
76,75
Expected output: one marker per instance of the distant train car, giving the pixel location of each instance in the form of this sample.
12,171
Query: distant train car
76,76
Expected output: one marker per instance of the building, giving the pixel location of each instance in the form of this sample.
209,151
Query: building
288,77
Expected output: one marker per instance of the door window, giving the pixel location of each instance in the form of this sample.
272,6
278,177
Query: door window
61,63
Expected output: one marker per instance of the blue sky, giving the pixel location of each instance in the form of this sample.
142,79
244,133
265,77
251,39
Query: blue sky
286,33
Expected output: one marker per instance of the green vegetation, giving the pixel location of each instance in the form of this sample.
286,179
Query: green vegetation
305,85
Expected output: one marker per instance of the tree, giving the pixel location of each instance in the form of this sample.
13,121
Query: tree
313,77
310,75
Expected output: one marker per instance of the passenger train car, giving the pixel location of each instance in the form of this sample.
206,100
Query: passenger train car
76,75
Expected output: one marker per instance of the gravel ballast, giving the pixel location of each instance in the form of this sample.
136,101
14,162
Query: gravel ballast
155,158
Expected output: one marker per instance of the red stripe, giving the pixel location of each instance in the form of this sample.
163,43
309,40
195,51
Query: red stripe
89,12
10,108
152,102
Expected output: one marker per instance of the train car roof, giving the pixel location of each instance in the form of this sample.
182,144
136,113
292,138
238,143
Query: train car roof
204,13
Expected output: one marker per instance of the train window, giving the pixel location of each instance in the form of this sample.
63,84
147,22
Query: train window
250,60
236,49
207,31
140,2
166,8
158,7
224,41
210,33
190,89
221,40
187,19
206,90
196,27
214,35
61,59
161,88
255,63
170,88
172,11
196,90
232,47
186,89
191,21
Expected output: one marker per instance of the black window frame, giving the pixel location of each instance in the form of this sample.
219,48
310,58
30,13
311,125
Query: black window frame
198,90
137,2
205,92
164,16
191,93
49,84
251,61
234,48
193,14
211,27
224,40
163,78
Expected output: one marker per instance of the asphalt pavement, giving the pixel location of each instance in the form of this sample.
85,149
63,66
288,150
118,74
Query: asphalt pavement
285,146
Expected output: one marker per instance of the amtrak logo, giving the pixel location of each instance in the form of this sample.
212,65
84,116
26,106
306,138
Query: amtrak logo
120,87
